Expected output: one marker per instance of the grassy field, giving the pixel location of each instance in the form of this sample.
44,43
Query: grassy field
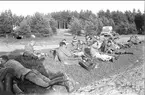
104,70
55,39
46,43
80,75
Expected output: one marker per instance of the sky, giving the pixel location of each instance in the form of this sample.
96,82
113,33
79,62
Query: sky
30,7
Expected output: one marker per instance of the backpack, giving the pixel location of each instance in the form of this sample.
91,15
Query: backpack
87,63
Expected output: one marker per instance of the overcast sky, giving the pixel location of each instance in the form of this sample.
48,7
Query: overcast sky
30,7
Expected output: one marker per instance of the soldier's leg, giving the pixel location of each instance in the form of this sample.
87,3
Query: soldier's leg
1,86
8,83
55,79
41,80
16,89
41,76
51,75
56,75
5,71
7,76
31,76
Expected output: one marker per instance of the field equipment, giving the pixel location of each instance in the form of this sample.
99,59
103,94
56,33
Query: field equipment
87,63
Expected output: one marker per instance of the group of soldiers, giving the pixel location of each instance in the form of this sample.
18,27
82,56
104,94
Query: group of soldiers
94,47
78,52
12,71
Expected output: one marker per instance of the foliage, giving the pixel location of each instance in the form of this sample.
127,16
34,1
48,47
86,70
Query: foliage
17,19
6,22
128,22
75,26
53,24
41,24
24,27
125,23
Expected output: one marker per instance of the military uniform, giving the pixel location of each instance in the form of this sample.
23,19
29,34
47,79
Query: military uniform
66,56
29,48
20,70
6,76
72,47
29,52
95,53
134,40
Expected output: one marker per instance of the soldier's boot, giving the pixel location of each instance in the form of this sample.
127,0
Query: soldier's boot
16,89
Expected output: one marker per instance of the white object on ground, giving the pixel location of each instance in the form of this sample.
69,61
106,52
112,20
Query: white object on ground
33,36
79,53
96,66
104,57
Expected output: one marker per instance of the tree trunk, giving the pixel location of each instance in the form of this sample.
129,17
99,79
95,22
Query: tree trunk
66,25
63,25
58,24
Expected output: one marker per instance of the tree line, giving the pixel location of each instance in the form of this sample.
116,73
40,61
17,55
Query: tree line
39,24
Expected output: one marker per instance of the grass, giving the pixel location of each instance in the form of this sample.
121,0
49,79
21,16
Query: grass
105,69
54,39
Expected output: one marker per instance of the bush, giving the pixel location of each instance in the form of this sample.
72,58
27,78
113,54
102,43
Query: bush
53,24
90,29
126,28
124,23
6,22
75,26
40,24
24,28
132,29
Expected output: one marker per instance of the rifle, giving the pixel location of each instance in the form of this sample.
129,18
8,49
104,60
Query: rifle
119,53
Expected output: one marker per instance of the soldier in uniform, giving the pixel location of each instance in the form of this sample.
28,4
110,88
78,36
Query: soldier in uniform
32,75
134,40
64,55
97,54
